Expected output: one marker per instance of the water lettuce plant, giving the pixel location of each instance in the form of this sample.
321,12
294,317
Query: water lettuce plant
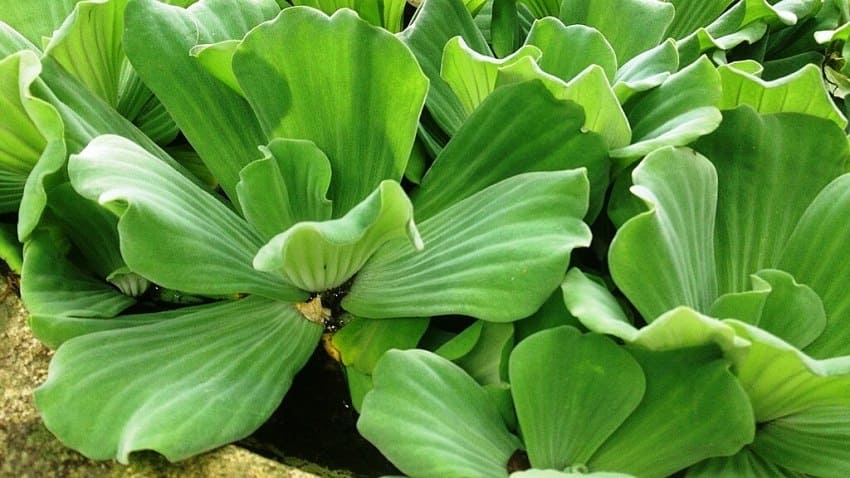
201,194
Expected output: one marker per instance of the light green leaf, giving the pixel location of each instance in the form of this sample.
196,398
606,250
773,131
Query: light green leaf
32,148
487,361
560,474
813,441
419,424
800,92
769,168
664,257
567,51
382,13
678,111
810,254
590,90
218,374
471,75
693,409
691,15
497,255
172,232
646,71
318,256
781,380
744,464
88,45
367,136
518,129
436,22
595,306
36,19
542,8
285,187
215,119
631,28
361,342
777,304
52,285
217,60
456,346
571,392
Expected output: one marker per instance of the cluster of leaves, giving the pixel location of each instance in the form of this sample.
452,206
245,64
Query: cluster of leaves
202,190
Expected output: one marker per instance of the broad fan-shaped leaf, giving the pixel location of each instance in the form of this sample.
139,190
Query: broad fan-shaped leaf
359,101
646,71
52,285
496,255
672,244
781,380
217,374
769,168
693,408
285,187
567,51
571,391
518,129
361,342
317,256
215,119
819,238
801,92
777,304
589,89
678,111
172,232
813,441
443,423
631,28
471,75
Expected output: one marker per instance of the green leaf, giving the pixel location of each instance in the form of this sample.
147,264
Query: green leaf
560,474
436,22
52,285
810,255
590,90
631,28
36,19
367,136
781,380
518,129
567,51
487,360
496,255
88,45
646,71
218,374
542,8
415,423
457,345
172,232
216,120
471,75
32,148
813,441
595,306
678,111
691,15
385,13
769,168
673,242
777,304
800,92
318,256
571,392
744,464
217,60
693,409
285,187
361,342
